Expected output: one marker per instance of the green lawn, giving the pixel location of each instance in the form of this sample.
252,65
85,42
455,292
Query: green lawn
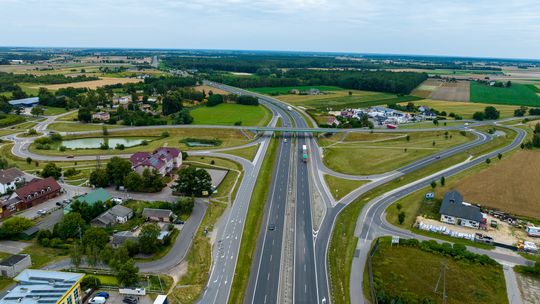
52,111
42,256
247,152
69,117
340,186
517,94
76,127
229,114
412,273
382,156
287,90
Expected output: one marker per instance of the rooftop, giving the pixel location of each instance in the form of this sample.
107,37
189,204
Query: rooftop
24,101
41,286
452,205
37,188
13,260
8,175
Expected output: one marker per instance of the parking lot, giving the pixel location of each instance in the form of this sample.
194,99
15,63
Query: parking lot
115,297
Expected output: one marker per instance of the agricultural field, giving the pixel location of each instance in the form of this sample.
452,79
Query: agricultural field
517,94
340,99
412,272
206,89
92,84
287,90
464,109
229,114
385,155
510,186
452,91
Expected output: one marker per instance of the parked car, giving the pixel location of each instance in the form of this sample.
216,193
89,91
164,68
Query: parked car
97,300
59,204
130,300
179,222
41,212
102,294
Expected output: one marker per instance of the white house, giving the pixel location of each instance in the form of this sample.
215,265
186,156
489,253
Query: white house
116,215
9,178
456,212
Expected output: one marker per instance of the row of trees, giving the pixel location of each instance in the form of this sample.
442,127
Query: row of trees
489,113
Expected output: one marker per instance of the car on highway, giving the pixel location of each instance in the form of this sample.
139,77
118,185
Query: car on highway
41,212
437,157
285,140
70,156
272,227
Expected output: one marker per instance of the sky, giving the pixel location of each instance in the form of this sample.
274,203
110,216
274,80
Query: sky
476,28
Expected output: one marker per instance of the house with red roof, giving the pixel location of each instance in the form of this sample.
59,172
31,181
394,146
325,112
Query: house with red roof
32,194
163,159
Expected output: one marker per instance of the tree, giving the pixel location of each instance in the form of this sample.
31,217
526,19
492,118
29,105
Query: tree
436,122
95,237
84,115
488,161
172,103
478,116
37,111
70,226
182,117
193,181
433,184
15,225
491,112
99,178
399,206
408,137
76,254
127,273
184,205
51,169
105,131
148,238
3,163
401,217
117,169
214,100
499,156
520,112
443,181
133,182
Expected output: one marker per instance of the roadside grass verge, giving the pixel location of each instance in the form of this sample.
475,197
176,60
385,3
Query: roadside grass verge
78,127
388,155
252,225
247,152
341,186
411,273
52,111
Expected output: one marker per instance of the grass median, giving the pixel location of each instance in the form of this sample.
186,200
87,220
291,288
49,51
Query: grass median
252,225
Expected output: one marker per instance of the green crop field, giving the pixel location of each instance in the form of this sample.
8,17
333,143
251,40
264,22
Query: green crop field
228,114
517,94
287,90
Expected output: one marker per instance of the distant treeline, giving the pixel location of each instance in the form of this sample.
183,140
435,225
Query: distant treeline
8,81
380,81
159,85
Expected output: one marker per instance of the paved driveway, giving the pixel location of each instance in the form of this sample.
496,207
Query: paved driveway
116,298
12,247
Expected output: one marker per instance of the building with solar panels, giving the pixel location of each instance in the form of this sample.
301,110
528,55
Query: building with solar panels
43,286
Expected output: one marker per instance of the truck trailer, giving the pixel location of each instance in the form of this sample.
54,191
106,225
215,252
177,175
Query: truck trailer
304,153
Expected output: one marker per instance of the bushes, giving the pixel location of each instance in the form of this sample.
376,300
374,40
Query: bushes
14,225
8,120
456,251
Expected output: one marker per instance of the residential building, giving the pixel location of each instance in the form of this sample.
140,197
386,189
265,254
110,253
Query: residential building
9,178
120,237
332,121
91,198
158,215
118,214
122,100
43,286
32,194
163,159
25,102
103,116
457,212
13,265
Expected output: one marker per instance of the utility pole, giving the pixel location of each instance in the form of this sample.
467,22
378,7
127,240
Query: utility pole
442,274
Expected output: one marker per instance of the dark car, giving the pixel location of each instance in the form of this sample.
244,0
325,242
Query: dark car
130,300
102,294
59,204
271,227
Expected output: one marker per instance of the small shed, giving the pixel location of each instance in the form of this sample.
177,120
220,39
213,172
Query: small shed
13,265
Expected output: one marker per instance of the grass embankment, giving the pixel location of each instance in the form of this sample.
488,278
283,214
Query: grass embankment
252,225
52,111
341,186
247,152
17,128
228,185
412,273
341,250
517,94
228,114
464,109
386,155
199,257
228,138
68,117
42,256
79,127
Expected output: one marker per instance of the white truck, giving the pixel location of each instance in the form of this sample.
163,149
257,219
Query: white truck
304,153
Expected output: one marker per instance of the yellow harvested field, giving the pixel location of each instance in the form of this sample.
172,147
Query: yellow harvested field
209,88
93,84
510,185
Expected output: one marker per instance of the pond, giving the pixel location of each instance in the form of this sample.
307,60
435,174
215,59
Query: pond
95,142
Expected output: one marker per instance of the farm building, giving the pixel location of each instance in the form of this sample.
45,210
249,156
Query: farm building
457,212
25,102
13,265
